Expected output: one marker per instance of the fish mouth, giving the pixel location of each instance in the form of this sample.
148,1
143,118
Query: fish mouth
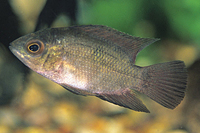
20,56
15,52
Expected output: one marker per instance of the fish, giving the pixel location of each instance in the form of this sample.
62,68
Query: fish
96,60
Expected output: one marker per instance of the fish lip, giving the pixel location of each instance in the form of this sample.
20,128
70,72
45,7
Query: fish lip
15,52
19,56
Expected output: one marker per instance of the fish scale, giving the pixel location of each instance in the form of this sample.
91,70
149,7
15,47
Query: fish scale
109,73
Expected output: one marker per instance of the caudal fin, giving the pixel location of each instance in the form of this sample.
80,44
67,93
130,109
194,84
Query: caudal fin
165,83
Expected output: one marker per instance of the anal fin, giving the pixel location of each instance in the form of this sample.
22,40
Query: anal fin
125,98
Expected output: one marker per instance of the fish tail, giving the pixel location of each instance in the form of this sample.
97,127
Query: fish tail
165,83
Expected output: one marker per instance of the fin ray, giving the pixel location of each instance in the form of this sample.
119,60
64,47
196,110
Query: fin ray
125,98
160,84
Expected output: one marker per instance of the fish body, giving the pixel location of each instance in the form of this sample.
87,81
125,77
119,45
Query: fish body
99,61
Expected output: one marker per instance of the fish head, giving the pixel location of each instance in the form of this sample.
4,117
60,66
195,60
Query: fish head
35,49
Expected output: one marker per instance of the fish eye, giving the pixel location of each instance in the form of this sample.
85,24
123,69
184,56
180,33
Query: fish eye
35,47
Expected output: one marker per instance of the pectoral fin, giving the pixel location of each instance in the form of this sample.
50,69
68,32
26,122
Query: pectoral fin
125,98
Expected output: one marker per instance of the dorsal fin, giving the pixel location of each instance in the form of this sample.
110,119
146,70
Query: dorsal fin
132,45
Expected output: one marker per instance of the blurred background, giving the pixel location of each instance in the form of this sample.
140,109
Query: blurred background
30,103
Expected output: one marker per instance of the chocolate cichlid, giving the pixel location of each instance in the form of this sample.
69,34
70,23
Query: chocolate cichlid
99,61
